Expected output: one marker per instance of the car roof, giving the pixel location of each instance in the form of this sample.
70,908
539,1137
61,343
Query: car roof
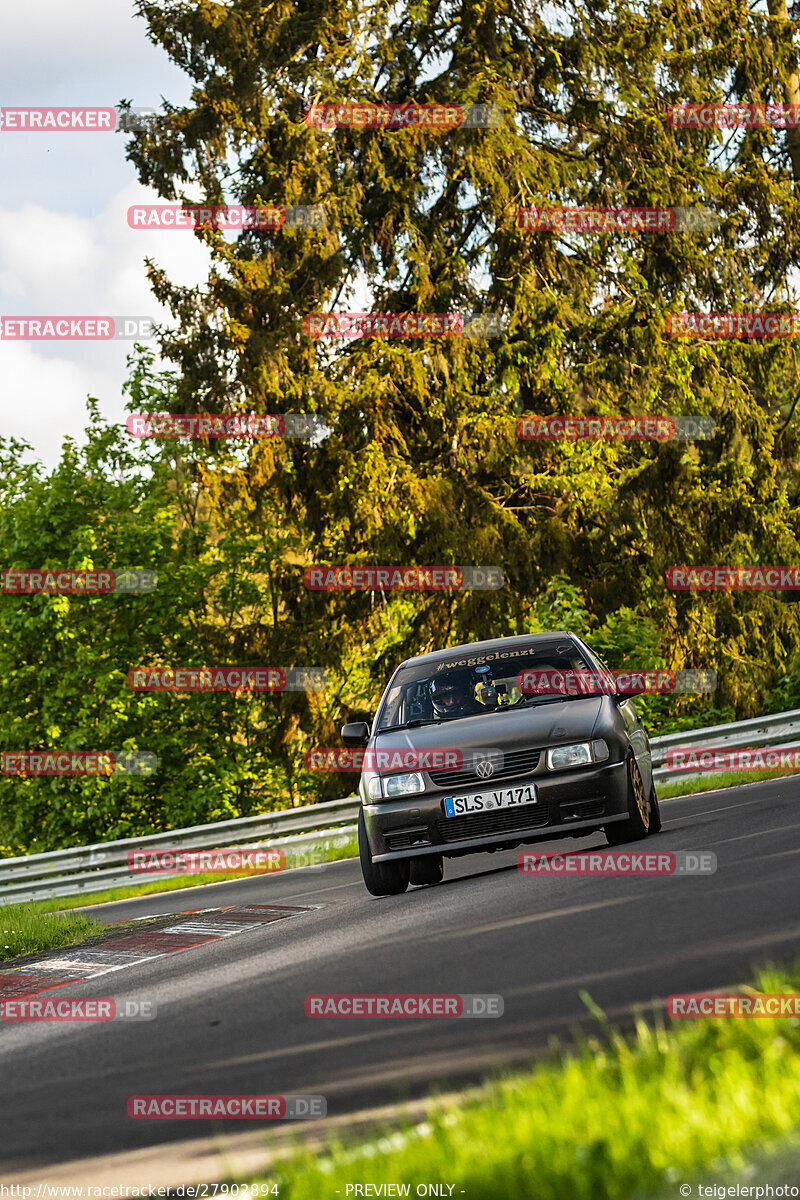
523,640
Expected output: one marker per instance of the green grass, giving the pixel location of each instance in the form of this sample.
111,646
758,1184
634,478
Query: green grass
709,783
27,929
156,885
773,1162
625,1117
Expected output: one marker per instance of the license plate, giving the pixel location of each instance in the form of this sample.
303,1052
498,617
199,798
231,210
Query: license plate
509,797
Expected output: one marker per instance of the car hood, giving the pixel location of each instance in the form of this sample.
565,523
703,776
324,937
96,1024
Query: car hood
553,723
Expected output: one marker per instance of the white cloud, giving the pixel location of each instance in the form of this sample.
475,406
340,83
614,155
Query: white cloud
76,264
65,246
59,263
43,400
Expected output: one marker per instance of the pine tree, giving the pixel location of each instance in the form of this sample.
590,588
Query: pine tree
422,463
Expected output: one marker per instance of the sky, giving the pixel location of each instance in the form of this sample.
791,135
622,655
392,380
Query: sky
65,245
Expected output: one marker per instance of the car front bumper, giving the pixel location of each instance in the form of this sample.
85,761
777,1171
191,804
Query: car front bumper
583,799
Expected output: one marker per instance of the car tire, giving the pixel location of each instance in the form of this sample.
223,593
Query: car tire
637,825
428,868
655,812
380,879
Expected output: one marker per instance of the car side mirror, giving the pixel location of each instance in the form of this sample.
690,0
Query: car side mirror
608,684
356,733
631,692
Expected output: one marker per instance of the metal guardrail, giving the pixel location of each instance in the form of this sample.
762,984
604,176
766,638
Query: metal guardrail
104,865
777,730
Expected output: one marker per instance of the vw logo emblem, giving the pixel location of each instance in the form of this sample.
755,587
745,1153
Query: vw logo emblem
484,768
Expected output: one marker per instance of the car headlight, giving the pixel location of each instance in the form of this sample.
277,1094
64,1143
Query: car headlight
569,756
403,785
579,755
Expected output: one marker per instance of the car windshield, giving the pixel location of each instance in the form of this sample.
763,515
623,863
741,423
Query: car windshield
454,689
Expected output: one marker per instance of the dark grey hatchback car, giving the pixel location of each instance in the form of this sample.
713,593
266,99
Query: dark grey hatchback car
485,747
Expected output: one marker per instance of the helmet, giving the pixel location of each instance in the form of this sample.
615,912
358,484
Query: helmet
451,694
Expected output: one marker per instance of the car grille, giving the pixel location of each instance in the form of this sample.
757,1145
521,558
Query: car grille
518,762
508,820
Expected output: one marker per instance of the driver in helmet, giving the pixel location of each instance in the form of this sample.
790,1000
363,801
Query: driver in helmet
454,695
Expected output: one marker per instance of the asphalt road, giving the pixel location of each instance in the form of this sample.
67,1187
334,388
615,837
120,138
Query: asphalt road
231,1016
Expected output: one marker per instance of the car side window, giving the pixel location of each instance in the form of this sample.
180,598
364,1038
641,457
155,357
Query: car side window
391,707
596,663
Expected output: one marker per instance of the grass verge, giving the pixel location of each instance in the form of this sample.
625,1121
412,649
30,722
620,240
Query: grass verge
27,929
710,783
628,1116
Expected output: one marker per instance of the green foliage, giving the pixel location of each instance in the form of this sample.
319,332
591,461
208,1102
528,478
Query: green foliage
64,659
786,695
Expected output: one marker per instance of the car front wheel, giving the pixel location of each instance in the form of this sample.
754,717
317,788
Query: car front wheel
381,879
638,824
